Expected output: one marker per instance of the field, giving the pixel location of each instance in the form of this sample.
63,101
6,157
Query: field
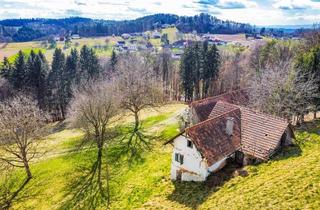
290,181
11,49
102,48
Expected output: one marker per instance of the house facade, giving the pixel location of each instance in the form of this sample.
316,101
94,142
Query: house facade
228,130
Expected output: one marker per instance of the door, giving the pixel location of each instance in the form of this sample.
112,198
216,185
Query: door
179,175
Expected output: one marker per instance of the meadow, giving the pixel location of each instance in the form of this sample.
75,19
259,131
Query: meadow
102,47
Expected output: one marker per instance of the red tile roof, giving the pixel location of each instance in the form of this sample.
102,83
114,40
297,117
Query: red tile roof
211,139
260,133
204,107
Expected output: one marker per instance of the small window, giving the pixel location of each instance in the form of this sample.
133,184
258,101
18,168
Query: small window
189,144
178,158
181,159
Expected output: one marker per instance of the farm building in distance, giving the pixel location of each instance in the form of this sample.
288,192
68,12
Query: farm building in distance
218,128
75,36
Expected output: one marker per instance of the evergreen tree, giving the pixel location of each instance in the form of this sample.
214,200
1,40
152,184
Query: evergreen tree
6,68
89,64
165,39
165,67
113,60
56,83
71,75
197,68
30,71
18,76
186,71
210,68
38,81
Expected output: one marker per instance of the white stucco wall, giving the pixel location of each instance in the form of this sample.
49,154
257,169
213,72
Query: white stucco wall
194,167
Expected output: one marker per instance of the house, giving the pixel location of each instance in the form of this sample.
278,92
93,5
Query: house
126,36
132,48
179,44
121,43
177,54
75,36
156,35
226,131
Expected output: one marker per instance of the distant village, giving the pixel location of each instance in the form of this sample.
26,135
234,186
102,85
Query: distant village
141,41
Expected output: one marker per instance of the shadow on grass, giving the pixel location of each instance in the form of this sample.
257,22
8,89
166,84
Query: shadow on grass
288,152
12,191
89,188
59,126
193,194
312,127
7,196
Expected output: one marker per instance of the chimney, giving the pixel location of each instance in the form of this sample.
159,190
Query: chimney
229,126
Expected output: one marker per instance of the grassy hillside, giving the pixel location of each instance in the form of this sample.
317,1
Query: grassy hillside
11,49
290,181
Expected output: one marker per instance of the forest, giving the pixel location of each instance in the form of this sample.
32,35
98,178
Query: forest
21,30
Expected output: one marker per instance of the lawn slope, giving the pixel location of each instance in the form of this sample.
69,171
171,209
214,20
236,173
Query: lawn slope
290,181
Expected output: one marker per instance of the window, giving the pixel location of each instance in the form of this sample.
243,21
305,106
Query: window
179,158
189,144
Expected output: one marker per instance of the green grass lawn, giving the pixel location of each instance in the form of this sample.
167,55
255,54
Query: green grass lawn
11,49
290,181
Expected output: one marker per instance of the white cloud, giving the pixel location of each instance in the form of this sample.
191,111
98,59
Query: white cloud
260,12
295,4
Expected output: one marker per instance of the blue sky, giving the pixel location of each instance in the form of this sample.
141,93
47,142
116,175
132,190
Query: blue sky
258,12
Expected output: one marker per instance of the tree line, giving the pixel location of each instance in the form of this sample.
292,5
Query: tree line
30,29
51,85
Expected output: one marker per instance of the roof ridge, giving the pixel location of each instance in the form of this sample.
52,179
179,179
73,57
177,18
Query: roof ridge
252,110
217,96
211,119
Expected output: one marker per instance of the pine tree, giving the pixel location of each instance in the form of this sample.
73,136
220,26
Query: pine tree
71,75
18,76
113,61
6,69
186,71
197,59
89,64
30,71
210,68
38,81
56,84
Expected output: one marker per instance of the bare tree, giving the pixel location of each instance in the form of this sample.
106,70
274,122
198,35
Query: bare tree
139,89
277,85
21,123
283,91
93,109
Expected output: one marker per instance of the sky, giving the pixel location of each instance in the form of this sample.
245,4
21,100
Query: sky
256,12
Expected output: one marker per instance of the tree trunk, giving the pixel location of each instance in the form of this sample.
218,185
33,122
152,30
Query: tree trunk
136,121
62,112
27,169
315,115
26,163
